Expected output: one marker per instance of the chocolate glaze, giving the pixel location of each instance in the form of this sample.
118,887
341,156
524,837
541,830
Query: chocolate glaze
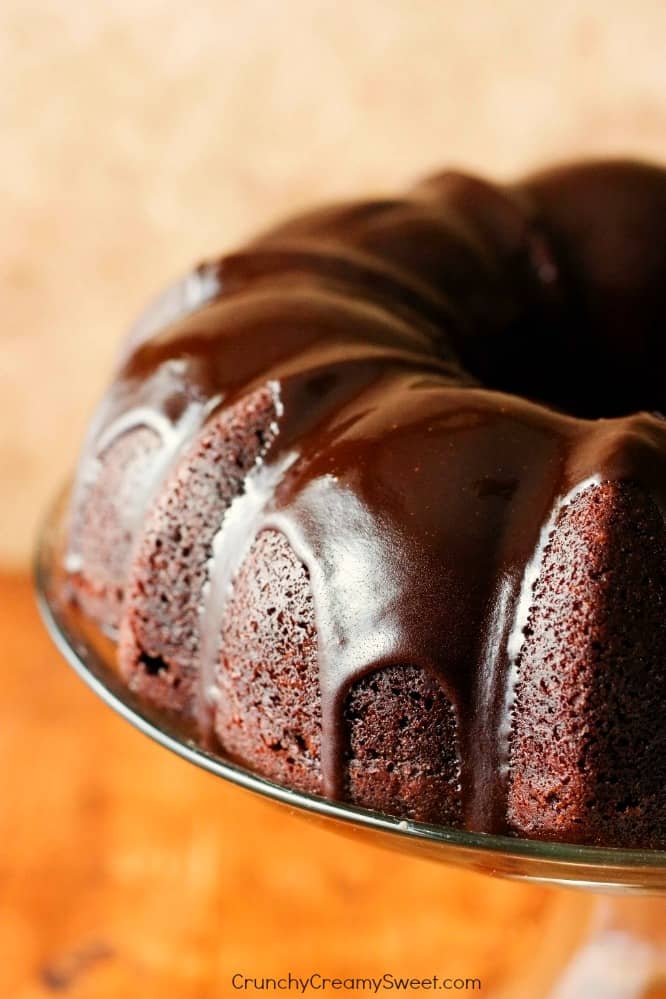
449,369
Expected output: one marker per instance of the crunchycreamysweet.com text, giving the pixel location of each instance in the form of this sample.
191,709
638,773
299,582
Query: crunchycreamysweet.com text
370,985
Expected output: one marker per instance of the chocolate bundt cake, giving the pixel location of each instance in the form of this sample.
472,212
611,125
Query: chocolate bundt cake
376,504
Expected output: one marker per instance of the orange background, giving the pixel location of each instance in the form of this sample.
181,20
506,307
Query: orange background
136,138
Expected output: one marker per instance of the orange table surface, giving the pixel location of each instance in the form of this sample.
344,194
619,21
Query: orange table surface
125,871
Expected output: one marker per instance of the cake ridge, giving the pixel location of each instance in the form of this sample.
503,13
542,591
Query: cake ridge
231,543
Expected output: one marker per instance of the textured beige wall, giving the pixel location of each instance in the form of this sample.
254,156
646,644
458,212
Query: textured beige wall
138,136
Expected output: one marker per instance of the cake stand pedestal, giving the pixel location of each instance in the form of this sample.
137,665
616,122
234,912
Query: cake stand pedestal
619,954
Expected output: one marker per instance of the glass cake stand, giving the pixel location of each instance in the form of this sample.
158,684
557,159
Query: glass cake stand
619,954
